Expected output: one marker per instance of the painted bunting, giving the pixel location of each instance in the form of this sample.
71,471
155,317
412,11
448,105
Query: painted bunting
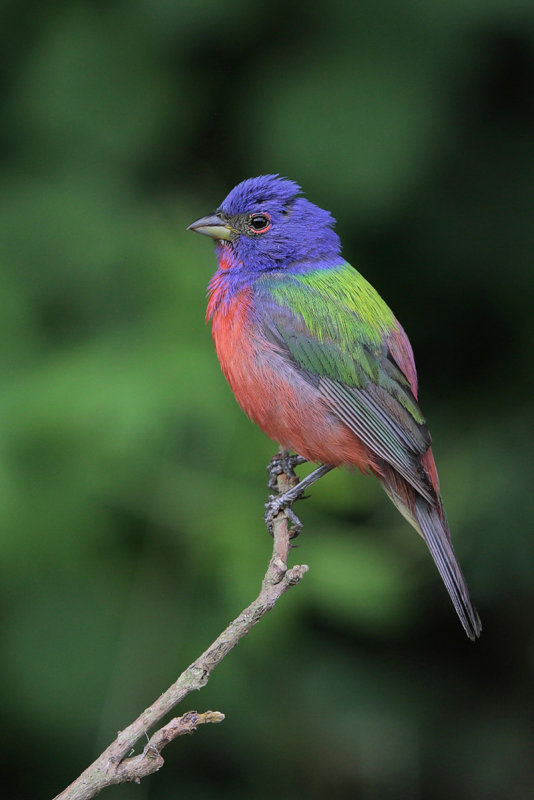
316,358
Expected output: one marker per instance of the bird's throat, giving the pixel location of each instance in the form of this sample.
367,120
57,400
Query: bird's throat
226,257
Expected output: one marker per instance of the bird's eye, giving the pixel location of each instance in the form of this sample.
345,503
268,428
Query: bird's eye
259,223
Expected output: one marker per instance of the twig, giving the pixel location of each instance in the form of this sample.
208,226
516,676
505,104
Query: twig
113,766
150,760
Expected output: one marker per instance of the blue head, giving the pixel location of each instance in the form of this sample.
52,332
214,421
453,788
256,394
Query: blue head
267,226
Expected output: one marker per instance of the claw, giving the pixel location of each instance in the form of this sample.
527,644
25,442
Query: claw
296,524
272,509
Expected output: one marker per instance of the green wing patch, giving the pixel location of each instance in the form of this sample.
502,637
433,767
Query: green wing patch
335,327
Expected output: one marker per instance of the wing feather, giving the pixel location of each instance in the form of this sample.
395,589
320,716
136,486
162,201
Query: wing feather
360,360
355,367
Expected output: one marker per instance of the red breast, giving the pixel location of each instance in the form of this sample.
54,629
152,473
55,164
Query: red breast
272,392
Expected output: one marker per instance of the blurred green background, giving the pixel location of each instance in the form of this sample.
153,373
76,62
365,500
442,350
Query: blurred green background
132,486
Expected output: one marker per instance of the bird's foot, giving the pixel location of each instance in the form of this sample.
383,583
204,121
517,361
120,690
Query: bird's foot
282,502
283,463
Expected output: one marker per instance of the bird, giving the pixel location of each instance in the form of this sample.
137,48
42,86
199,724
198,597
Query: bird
317,359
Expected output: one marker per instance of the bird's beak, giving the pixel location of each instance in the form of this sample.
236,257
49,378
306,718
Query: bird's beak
213,226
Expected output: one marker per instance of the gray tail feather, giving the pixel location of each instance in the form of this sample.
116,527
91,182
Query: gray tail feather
436,536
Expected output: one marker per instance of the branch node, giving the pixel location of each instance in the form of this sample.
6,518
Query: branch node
197,677
279,568
296,574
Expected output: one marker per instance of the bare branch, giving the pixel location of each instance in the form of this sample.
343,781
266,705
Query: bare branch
150,760
113,765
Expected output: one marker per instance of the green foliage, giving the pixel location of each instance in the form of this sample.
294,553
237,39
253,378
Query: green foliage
132,487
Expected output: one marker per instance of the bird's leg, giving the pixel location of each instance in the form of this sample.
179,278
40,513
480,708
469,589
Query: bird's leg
276,503
283,500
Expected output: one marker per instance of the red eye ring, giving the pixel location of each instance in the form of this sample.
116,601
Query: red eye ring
259,223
